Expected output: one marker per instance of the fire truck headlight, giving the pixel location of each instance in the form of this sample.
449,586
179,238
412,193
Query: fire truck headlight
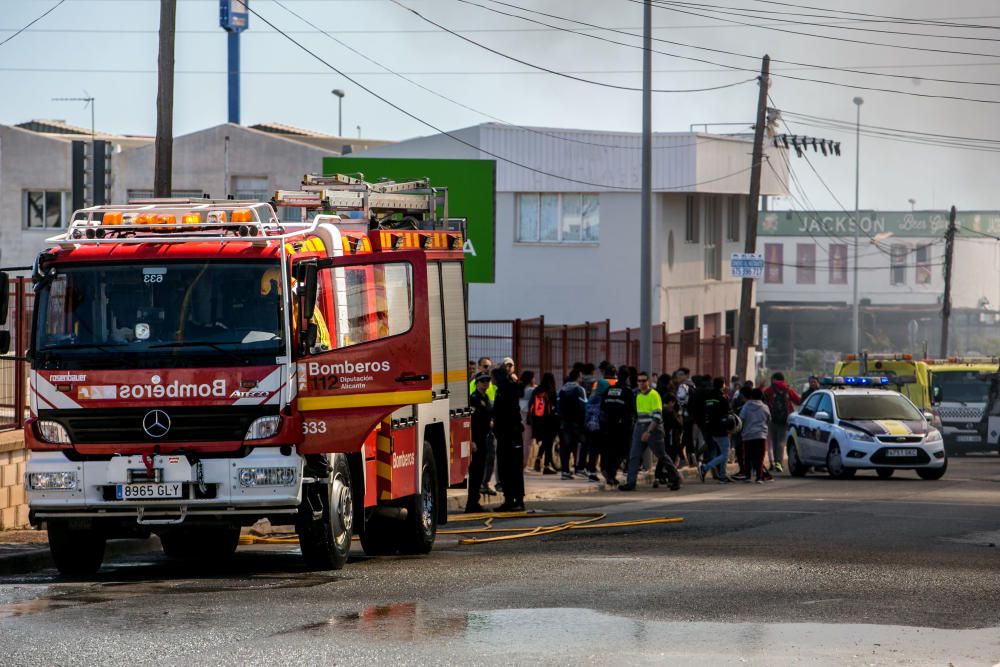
264,428
48,481
267,476
53,432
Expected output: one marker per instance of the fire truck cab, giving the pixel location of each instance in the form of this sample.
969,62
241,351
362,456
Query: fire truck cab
199,365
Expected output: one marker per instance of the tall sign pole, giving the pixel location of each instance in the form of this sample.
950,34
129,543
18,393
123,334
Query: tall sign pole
949,256
163,158
747,323
646,241
233,18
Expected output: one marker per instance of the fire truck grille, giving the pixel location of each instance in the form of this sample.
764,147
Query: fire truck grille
188,424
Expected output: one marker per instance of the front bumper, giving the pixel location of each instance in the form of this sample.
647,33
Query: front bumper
210,487
859,454
964,439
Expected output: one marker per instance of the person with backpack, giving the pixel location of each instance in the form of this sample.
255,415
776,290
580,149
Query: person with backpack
781,401
741,398
507,428
717,424
617,416
544,422
572,405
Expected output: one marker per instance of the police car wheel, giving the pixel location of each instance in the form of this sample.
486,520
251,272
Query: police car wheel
796,468
932,474
835,465
884,473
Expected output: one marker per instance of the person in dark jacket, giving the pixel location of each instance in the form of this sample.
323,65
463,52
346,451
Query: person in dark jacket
482,425
716,412
508,428
617,418
572,412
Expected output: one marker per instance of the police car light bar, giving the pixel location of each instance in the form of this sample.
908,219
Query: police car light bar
855,381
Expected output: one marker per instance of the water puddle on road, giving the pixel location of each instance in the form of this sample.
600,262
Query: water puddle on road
562,635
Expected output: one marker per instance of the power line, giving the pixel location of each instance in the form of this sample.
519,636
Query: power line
756,14
944,22
735,54
555,72
34,21
460,104
458,139
663,4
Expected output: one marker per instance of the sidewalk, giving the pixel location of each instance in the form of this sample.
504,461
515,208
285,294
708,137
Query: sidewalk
23,551
547,487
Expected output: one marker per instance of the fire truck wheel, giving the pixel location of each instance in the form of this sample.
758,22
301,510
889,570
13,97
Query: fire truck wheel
421,520
76,552
201,544
326,542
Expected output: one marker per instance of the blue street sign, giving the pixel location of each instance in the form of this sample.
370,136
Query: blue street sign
746,265
233,15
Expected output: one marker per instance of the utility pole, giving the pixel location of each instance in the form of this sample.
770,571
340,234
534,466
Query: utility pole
646,221
747,324
164,146
949,254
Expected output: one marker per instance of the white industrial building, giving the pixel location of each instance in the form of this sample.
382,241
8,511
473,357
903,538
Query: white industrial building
567,222
806,296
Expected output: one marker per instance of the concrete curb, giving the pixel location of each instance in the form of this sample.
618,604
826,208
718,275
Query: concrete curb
33,559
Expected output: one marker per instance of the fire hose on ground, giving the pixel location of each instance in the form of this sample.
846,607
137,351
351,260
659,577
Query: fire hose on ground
578,521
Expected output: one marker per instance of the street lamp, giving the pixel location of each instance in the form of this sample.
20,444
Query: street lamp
856,320
913,203
340,106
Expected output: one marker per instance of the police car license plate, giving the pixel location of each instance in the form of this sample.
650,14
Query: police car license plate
901,452
148,491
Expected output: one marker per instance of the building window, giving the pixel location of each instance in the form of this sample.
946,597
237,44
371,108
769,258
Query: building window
690,322
558,218
805,263
731,326
838,263
897,265
774,263
713,238
733,211
250,188
46,209
923,264
692,220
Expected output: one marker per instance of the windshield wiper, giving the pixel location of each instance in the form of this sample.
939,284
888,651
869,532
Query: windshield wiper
103,347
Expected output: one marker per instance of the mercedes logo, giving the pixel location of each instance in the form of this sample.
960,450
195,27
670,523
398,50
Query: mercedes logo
156,423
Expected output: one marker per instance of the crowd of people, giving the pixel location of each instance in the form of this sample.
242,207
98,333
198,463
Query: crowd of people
613,420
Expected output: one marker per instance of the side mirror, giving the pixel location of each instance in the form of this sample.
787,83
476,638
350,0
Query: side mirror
4,296
4,342
307,340
309,300
936,395
929,416
824,417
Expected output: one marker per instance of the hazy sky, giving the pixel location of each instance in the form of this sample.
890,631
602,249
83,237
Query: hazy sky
108,48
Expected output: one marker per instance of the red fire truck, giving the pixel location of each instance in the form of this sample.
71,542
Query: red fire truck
199,365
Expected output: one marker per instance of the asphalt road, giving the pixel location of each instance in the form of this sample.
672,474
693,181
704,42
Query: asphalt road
798,571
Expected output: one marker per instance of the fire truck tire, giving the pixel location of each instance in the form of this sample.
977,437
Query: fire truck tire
326,542
208,545
421,520
76,552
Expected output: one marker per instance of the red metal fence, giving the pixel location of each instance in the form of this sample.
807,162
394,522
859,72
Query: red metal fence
14,372
554,348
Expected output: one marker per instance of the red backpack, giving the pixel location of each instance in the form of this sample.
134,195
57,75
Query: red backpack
540,405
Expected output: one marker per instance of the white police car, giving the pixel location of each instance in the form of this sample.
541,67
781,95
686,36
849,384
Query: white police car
852,424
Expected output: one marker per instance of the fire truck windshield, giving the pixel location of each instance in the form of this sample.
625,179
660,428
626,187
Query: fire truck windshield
172,314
